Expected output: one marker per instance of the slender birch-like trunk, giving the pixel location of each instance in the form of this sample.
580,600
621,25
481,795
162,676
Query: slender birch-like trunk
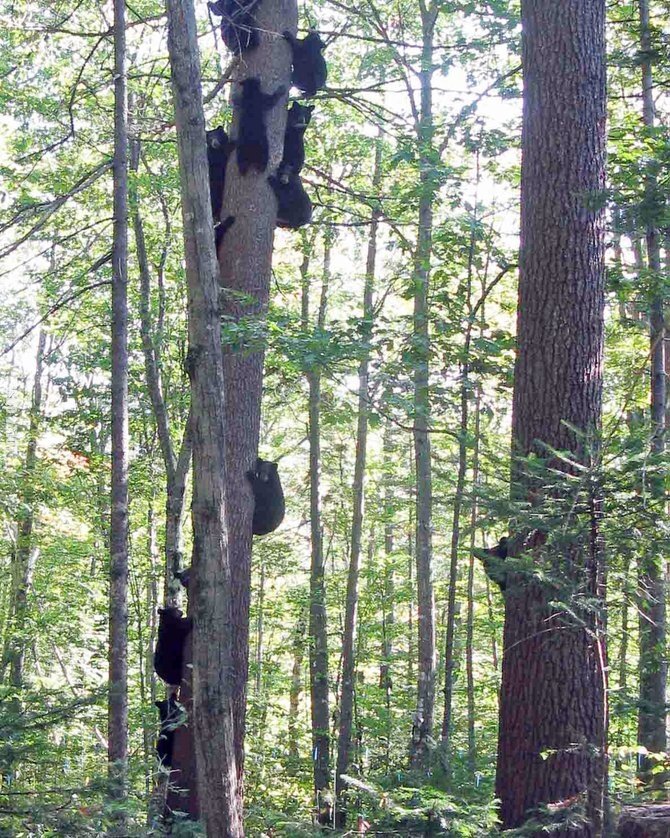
118,538
351,606
318,629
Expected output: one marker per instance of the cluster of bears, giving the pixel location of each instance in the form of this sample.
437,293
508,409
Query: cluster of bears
174,628
309,71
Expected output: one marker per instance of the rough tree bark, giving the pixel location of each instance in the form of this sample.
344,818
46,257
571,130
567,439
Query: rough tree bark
245,259
210,585
118,538
653,663
552,741
358,490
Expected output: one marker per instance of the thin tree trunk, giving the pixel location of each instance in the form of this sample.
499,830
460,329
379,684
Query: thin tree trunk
294,695
176,466
25,557
553,717
210,585
449,656
259,632
118,538
318,633
652,663
470,617
358,494
388,592
422,728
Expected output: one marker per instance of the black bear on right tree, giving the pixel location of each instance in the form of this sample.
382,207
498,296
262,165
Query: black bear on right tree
268,497
294,206
238,26
297,121
252,139
173,630
309,66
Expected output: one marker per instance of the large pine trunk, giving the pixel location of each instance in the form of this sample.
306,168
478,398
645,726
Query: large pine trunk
552,741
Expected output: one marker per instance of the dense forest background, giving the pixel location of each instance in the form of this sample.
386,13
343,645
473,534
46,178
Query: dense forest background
375,331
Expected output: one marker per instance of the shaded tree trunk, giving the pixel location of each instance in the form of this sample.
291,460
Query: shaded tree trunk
210,587
652,663
118,538
358,490
552,741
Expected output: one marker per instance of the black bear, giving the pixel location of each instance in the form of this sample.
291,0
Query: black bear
219,148
493,559
173,629
170,711
294,138
252,138
309,66
184,576
238,25
268,497
294,207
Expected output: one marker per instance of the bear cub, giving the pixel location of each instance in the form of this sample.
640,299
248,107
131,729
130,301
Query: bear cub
173,630
239,30
294,206
298,119
252,141
309,66
268,497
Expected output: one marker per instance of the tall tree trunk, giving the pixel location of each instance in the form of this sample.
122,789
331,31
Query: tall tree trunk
470,616
422,728
25,556
358,494
294,695
176,465
210,587
318,628
652,661
388,591
552,741
245,260
449,656
118,539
